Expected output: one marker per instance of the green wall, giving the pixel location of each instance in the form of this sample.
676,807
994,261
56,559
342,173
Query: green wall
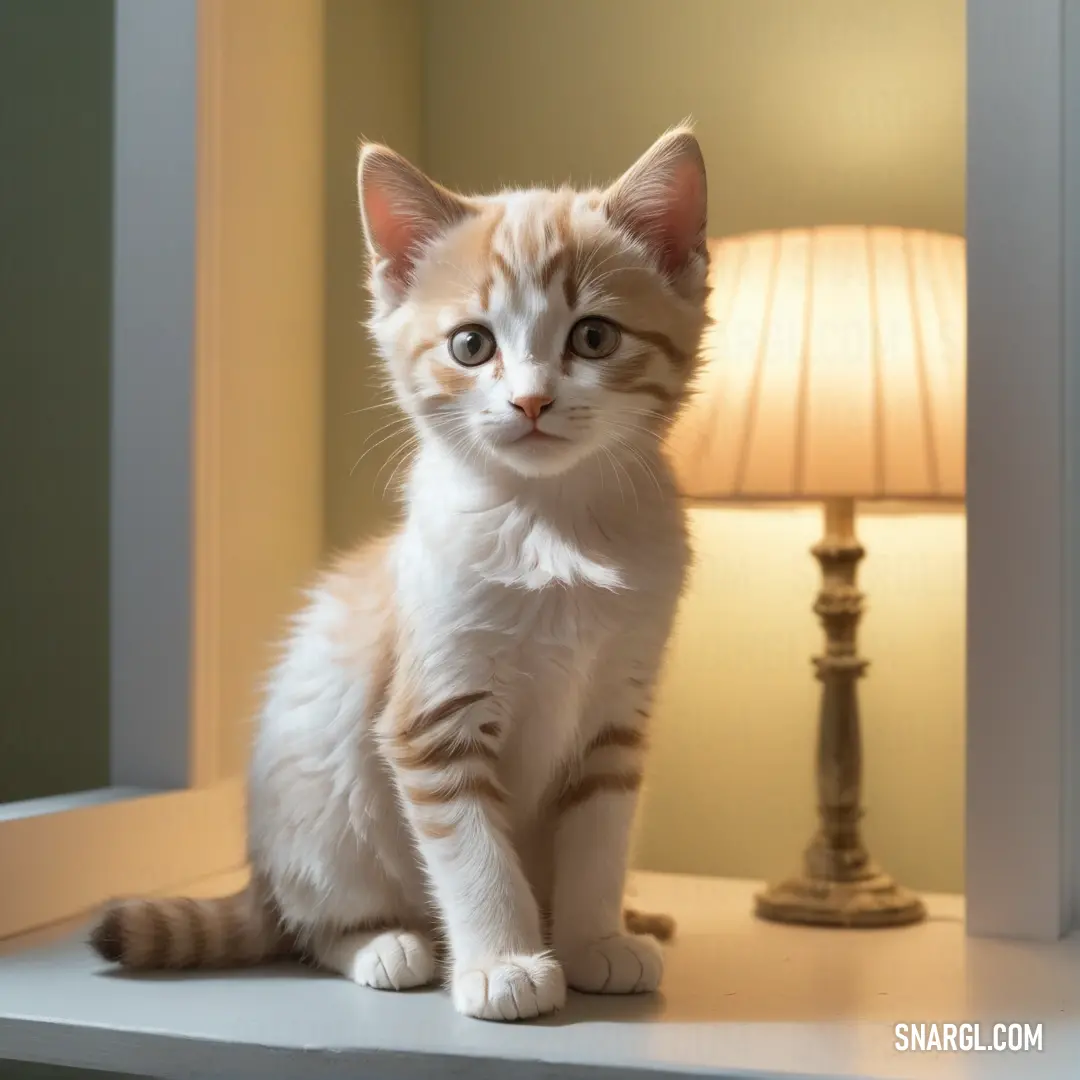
373,83
56,72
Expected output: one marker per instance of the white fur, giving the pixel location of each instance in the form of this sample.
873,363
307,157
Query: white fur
546,575
493,593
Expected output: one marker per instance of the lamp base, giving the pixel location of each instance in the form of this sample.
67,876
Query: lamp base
840,884
873,901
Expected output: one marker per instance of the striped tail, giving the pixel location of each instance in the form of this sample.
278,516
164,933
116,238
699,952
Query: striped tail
228,931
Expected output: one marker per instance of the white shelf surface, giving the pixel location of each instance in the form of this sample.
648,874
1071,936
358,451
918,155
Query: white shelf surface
741,998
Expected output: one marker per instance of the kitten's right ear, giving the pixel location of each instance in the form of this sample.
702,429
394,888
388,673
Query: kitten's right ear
402,210
662,199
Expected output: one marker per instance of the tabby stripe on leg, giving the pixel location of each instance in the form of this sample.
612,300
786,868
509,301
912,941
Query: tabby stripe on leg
444,753
588,786
627,737
445,795
613,755
425,721
450,759
481,787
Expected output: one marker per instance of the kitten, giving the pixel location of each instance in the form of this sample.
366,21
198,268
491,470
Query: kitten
452,743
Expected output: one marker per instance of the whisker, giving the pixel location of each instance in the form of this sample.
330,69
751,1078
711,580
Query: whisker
403,450
368,408
401,421
408,451
645,412
633,487
644,428
614,472
399,430
591,266
601,278
356,463
659,438
407,458
400,426
641,460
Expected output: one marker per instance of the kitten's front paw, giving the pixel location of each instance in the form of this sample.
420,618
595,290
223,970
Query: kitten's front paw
396,960
620,964
510,988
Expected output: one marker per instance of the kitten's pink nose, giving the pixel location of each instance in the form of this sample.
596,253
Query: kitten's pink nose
532,405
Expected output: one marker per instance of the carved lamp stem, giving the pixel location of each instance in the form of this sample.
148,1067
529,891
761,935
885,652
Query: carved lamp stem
840,885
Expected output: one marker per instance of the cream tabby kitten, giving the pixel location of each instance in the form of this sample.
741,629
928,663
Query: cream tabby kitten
452,743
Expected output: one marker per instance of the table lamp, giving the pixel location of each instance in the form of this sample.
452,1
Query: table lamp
834,372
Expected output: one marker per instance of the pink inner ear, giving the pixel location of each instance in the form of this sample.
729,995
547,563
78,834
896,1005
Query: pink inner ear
677,225
394,232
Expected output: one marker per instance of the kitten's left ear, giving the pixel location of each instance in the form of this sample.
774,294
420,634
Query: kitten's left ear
402,210
662,199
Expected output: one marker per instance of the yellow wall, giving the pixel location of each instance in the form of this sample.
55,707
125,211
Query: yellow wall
302,82
731,778
808,112
265,244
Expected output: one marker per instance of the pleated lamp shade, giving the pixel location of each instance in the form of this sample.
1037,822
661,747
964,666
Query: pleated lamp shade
835,368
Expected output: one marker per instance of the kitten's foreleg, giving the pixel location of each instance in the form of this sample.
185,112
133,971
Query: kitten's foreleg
444,761
592,839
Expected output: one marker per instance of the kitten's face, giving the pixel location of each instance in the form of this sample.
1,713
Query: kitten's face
540,328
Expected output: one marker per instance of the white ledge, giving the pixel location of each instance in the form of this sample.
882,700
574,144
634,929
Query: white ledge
741,998
54,804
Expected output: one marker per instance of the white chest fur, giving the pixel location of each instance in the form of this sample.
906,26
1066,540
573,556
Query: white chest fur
529,595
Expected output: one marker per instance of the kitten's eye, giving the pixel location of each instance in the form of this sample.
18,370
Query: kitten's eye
472,345
594,338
